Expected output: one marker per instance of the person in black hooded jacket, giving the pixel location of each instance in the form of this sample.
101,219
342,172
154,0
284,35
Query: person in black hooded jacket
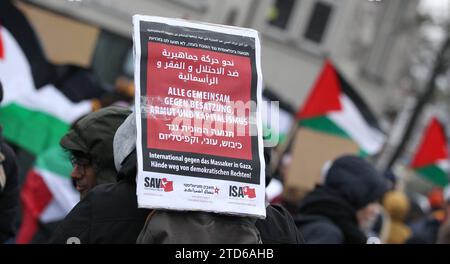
338,211
109,212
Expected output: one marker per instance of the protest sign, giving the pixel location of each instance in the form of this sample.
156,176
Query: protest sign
199,131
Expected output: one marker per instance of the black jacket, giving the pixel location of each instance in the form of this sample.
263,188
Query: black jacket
109,214
117,219
325,218
9,197
319,230
278,227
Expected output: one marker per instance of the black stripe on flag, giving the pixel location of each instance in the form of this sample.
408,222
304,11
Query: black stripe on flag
357,100
272,96
75,82
17,24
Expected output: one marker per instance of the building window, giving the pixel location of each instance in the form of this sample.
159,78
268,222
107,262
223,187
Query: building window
302,24
318,22
231,17
280,13
194,4
109,56
128,66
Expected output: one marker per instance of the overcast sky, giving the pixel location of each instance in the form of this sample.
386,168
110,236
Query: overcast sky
440,8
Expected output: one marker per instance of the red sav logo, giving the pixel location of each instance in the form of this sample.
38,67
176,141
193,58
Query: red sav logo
242,192
164,184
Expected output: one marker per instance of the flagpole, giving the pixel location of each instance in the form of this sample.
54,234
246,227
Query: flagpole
442,61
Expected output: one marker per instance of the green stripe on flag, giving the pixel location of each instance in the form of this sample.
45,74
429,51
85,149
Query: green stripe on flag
325,125
55,160
434,174
34,131
362,153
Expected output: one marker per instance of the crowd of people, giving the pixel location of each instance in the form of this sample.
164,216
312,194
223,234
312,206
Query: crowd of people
355,203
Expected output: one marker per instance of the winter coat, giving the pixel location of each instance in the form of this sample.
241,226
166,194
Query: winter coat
325,218
108,214
278,227
93,135
397,206
328,213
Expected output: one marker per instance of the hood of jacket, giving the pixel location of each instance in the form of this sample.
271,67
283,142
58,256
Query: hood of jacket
93,135
356,181
324,203
124,140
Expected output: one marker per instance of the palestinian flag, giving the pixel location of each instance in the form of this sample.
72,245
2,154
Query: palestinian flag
277,117
34,117
334,107
431,159
48,194
39,104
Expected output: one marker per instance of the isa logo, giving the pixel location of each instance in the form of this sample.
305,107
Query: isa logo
242,192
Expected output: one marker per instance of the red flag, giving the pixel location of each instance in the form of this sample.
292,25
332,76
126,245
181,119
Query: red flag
325,96
433,146
35,198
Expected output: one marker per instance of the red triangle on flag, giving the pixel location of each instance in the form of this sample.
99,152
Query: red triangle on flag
35,197
325,96
2,50
433,146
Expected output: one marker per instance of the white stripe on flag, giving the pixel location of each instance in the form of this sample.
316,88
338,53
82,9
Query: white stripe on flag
53,212
18,86
274,189
444,165
275,119
50,100
286,120
352,122
64,194
15,72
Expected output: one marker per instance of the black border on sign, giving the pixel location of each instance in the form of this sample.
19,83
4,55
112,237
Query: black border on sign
144,36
